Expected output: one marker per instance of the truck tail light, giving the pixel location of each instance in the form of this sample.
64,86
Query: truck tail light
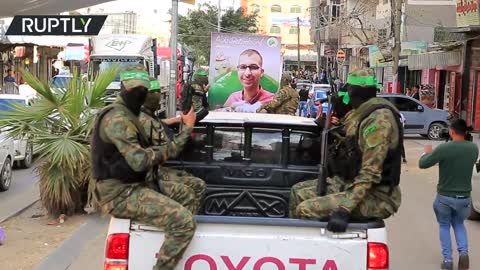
116,252
377,256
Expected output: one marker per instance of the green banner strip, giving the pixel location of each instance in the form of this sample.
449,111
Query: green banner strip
134,75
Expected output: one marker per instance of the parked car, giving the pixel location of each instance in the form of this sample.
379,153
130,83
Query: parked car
475,195
249,163
23,149
420,119
6,161
301,85
61,81
318,91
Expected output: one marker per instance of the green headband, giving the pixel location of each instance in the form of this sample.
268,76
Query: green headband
362,81
346,97
154,85
201,72
134,75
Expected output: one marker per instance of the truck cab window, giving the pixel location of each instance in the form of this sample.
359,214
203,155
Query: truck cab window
228,144
266,146
196,148
304,148
101,65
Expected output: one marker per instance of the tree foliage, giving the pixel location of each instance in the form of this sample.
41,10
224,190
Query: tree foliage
59,123
194,29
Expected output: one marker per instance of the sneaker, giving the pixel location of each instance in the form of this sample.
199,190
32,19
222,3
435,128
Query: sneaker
463,262
448,265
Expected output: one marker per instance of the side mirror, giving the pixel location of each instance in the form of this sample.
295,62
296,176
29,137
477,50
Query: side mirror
420,108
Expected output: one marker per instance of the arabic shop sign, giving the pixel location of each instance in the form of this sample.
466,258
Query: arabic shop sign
468,12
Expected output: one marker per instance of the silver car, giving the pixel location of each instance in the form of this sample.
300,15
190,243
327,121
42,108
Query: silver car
7,155
420,119
475,210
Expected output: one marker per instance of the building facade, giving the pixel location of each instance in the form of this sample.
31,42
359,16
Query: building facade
286,19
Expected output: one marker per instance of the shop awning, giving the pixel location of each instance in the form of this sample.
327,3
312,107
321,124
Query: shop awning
434,60
43,7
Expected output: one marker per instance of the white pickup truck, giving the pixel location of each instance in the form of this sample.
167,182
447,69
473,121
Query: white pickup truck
250,162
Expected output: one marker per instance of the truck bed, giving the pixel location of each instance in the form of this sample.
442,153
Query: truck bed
225,242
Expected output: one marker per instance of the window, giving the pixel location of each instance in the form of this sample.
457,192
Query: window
275,29
276,9
195,149
336,7
228,144
304,148
295,9
405,104
266,146
382,34
254,8
293,30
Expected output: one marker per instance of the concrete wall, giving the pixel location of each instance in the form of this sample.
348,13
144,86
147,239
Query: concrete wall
419,21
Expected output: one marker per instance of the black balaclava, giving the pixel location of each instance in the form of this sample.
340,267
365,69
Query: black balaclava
152,102
134,98
340,107
361,94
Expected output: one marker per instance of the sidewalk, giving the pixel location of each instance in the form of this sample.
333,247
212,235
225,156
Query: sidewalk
83,250
22,193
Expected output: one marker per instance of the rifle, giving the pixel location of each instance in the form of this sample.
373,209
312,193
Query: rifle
186,92
322,174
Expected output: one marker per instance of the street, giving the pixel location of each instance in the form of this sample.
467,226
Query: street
412,232
23,192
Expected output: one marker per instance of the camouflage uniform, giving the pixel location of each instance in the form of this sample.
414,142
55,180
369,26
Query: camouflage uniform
199,80
285,101
363,197
191,183
138,201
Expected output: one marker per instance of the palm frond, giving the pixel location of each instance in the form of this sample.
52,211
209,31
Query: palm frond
42,88
97,91
59,124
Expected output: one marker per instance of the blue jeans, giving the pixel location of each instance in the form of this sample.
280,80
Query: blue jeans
452,212
303,108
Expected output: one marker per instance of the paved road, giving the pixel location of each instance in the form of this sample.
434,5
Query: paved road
23,192
412,232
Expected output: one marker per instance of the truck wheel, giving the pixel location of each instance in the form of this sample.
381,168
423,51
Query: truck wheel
435,130
6,175
474,215
27,161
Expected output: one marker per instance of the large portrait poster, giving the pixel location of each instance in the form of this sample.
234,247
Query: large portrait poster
244,70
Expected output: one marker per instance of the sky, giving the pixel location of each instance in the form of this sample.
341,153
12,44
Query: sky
146,7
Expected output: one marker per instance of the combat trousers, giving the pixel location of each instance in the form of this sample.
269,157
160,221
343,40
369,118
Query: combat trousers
306,204
196,184
171,211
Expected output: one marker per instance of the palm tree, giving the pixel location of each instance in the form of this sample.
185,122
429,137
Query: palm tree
59,123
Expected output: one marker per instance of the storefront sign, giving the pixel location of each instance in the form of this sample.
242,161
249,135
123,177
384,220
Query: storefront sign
468,12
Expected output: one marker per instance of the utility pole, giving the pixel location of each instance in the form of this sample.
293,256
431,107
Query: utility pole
172,95
298,42
397,26
219,18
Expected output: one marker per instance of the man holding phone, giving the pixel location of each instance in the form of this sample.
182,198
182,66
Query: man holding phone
452,203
